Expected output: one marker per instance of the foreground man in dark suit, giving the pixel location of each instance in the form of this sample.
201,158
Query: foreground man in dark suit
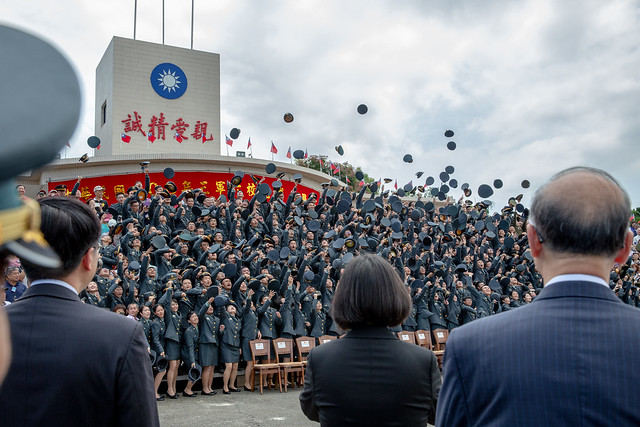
73,364
571,349
370,377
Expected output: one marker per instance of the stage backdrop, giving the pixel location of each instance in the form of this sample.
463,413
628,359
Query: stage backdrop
212,183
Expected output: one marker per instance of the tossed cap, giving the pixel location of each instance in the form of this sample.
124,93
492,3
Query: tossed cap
93,142
362,109
235,133
288,118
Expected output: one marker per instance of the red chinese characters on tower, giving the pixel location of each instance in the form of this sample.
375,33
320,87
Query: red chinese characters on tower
133,124
157,126
200,132
180,127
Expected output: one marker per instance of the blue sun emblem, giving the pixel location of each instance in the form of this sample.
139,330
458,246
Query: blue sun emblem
169,81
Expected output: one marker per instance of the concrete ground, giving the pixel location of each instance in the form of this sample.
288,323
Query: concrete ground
236,409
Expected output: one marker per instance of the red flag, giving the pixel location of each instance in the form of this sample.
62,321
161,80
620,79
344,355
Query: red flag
178,137
68,144
347,178
321,165
395,186
98,147
229,141
249,144
204,138
306,154
337,169
125,138
150,137
274,150
289,153
361,183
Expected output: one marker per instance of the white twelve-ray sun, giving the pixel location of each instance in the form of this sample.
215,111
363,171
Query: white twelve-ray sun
169,81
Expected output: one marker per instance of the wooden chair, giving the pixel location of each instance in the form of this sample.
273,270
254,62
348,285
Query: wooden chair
440,336
423,339
262,348
284,348
407,336
440,356
305,345
326,338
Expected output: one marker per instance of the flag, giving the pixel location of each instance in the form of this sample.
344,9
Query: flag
347,179
98,147
274,150
229,141
395,186
249,144
306,154
178,137
204,138
68,144
125,138
289,153
150,137
361,183
321,165
336,170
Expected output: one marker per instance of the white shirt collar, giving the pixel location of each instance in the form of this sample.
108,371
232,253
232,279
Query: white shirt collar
577,278
55,282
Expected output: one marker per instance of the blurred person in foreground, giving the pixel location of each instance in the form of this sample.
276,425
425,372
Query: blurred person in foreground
370,377
574,344
73,363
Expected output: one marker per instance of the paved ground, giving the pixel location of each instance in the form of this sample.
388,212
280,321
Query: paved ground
236,409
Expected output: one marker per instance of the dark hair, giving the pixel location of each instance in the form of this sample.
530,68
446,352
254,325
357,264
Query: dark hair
119,307
71,228
587,220
370,292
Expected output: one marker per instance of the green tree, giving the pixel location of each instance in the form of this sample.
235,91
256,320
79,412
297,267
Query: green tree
347,171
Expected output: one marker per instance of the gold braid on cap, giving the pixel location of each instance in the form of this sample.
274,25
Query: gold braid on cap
22,222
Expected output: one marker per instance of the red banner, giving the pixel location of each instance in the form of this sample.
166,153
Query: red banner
211,183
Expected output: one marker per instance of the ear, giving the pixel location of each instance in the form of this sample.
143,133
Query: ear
534,242
88,258
623,254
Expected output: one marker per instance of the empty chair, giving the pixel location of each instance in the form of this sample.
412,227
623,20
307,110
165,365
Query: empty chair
284,349
326,338
423,339
305,345
440,336
263,367
407,336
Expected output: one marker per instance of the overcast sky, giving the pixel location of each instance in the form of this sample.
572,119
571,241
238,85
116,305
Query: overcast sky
528,87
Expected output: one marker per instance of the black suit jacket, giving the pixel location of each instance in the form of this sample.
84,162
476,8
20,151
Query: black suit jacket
75,364
369,377
568,358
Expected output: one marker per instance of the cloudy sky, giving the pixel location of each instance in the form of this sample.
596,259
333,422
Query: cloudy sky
529,87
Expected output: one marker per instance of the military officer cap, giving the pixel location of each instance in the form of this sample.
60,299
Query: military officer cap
43,86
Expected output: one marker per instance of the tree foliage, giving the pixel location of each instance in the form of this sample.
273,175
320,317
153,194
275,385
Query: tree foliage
347,172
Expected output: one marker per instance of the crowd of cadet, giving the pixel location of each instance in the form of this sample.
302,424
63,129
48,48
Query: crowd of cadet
206,275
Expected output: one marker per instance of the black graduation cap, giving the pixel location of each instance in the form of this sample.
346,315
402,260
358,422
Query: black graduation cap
340,150
141,195
230,270
134,266
359,175
419,174
485,191
235,133
288,118
84,158
313,225
408,158
213,292
308,276
298,154
284,252
453,183
158,242
93,142
362,109
444,176
451,145
497,183
525,183
449,169
270,168
400,192
297,177
430,181
221,300
273,255
448,133
169,173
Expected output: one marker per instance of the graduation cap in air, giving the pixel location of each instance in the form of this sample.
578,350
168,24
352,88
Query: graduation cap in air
340,150
525,184
451,145
362,109
169,173
237,178
93,142
84,158
448,133
270,168
288,118
298,154
235,133
408,158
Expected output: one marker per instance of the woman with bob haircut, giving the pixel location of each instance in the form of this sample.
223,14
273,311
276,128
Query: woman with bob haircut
370,377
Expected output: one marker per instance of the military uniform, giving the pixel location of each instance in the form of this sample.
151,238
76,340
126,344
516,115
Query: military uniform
209,329
230,344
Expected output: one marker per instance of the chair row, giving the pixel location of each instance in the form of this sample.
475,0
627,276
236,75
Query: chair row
425,339
284,365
